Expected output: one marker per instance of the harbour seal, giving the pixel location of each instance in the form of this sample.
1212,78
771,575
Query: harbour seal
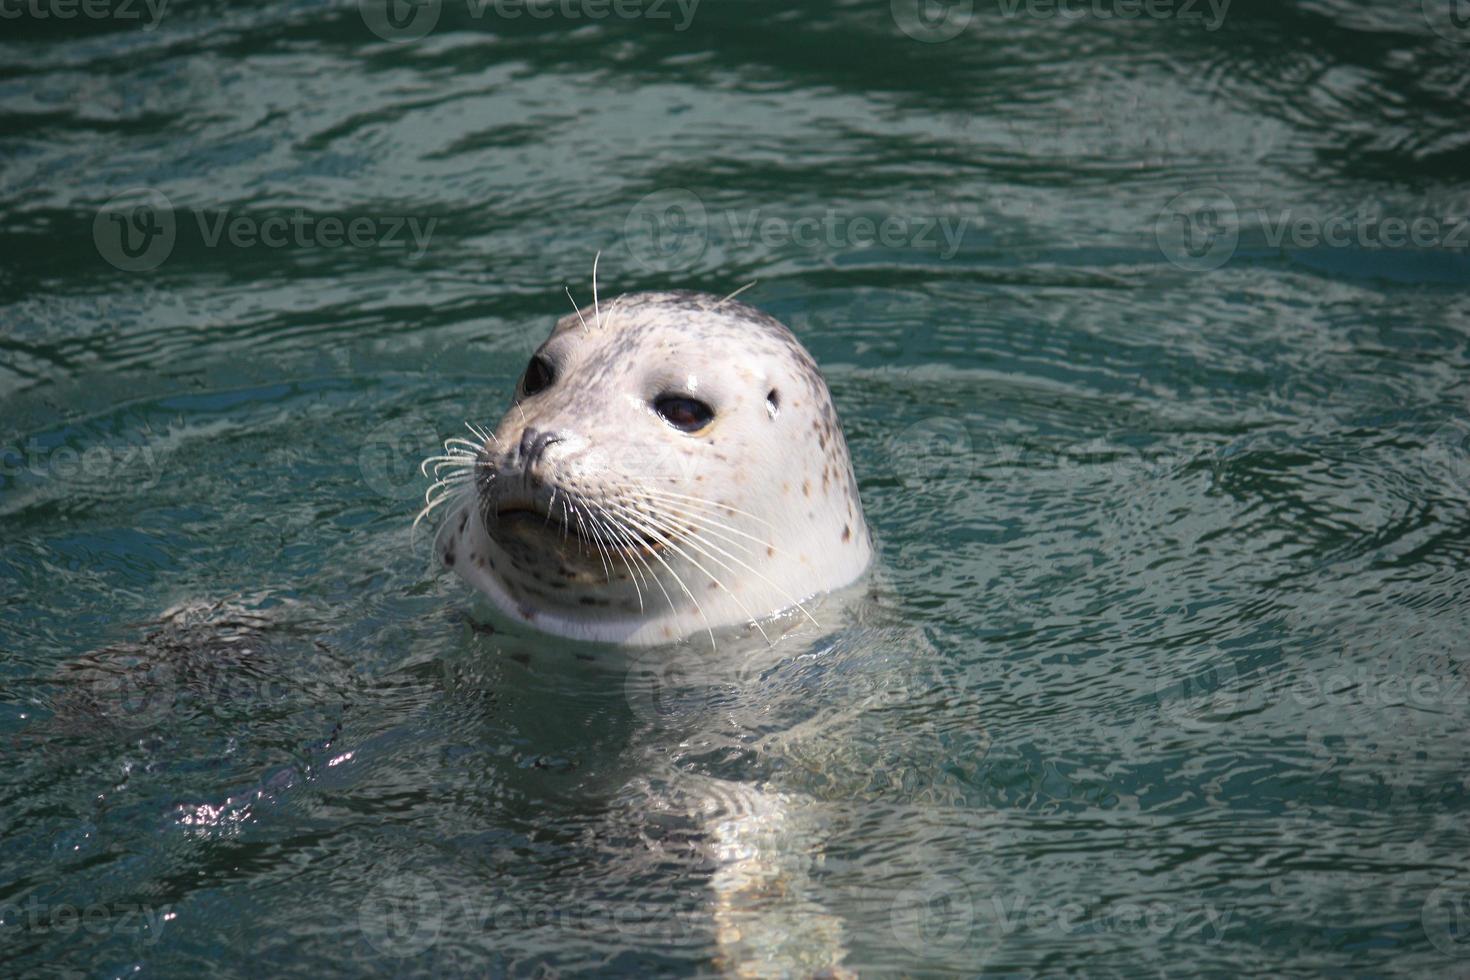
671,464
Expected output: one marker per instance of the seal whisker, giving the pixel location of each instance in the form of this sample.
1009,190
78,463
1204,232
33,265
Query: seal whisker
633,573
451,450
602,545
683,587
597,307
736,293
451,481
651,574
670,539
453,491
700,522
691,523
601,552
694,540
450,455
464,460
587,520
566,519
633,550
617,539
669,534
465,468
456,444
482,435
577,308
707,503
457,459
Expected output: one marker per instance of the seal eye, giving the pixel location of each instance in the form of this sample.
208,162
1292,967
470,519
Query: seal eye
685,414
538,376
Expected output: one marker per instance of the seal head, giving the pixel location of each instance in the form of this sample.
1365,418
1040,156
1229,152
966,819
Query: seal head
672,464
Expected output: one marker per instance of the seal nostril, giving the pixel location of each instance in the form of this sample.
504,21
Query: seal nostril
773,402
528,442
534,443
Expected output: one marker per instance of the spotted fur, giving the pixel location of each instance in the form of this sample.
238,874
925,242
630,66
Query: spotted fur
607,523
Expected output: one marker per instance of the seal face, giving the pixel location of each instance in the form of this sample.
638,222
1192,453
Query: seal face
671,464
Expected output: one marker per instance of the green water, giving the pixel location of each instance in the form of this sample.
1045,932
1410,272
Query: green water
1149,336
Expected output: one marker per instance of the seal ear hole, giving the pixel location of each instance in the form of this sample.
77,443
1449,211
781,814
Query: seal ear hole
773,402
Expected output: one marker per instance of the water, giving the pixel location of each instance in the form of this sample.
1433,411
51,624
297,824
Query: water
1156,391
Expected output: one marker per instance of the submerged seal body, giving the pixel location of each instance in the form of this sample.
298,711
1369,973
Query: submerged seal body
671,464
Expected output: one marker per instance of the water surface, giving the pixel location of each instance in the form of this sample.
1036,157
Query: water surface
1149,337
